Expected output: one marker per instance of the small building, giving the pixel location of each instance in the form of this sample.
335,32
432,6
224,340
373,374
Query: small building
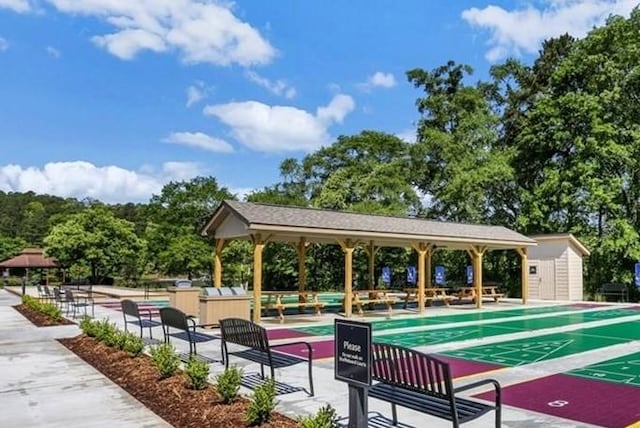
555,267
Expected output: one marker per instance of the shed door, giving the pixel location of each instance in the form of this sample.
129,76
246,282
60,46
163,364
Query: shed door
547,279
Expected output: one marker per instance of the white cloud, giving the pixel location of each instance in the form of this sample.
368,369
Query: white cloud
281,128
201,31
81,179
277,87
53,52
197,92
378,80
16,5
4,45
199,140
408,135
522,30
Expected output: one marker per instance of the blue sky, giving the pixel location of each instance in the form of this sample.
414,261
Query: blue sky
111,99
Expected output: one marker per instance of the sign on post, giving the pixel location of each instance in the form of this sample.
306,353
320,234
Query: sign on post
469,274
386,275
440,275
352,352
637,275
411,275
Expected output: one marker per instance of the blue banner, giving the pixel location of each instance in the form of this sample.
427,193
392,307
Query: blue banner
386,275
637,275
440,276
469,274
411,275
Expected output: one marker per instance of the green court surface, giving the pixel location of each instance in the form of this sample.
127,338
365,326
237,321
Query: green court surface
327,329
550,346
432,337
625,369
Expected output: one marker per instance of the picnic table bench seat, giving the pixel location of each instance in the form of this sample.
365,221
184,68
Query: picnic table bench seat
276,300
423,383
616,290
371,298
256,347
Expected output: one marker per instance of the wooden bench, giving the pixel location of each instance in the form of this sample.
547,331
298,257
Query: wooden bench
371,298
430,295
488,292
423,383
253,338
276,300
616,290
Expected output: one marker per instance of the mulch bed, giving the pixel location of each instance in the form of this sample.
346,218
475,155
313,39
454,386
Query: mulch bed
171,398
38,318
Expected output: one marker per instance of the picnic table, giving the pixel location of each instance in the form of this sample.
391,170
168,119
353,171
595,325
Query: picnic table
430,294
488,291
280,300
371,298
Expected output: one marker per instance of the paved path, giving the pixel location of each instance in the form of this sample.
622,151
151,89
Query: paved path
42,384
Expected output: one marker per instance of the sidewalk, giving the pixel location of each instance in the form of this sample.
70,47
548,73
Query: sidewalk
42,384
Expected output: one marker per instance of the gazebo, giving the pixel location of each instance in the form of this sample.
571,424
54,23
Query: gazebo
261,224
30,258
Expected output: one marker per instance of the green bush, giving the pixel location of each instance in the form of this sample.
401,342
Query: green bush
48,309
228,384
197,372
165,359
120,339
89,326
107,333
262,403
325,418
133,344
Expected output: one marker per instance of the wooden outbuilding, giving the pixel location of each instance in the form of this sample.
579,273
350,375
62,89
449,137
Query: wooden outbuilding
261,224
555,267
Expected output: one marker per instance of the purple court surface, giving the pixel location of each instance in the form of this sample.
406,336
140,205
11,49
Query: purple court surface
460,367
590,401
285,333
587,305
321,349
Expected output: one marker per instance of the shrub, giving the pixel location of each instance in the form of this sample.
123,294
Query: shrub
165,359
119,339
109,335
197,372
325,418
133,344
228,384
262,403
88,326
48,309
103,329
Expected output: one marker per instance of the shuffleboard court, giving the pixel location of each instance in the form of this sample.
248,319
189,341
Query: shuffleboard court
438,336
327,329
550,346
625,370
600,403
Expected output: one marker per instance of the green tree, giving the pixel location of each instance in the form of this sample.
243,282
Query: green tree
10,247
95,237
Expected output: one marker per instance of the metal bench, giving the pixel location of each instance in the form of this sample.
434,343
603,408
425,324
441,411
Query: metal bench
186,326
616,290
423,383
130,309
253,338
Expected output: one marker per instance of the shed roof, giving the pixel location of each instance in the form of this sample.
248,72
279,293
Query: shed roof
563,236
287,223
30,258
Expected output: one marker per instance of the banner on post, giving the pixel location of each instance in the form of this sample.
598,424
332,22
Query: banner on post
386,275
411,275
440,275
469,274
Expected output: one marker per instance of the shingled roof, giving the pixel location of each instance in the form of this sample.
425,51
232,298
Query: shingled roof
30,258
287,221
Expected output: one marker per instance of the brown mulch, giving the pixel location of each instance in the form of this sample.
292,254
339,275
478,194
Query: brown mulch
38,318
171,398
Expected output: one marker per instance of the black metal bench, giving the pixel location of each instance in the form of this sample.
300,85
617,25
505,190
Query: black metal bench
186,326
423,383
616,290
130,309
253,338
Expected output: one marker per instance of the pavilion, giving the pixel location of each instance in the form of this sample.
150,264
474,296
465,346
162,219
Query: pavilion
30,258
261,224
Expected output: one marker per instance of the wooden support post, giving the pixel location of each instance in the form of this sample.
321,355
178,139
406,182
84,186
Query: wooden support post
217,260
348,246
424,277
427,268
301,249
371,251
476,254
258,246
524,274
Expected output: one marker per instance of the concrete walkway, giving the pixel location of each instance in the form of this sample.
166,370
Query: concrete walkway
42,384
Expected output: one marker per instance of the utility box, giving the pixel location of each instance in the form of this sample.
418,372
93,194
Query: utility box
184,297
555,267
224,302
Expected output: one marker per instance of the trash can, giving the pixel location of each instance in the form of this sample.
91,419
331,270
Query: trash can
224,302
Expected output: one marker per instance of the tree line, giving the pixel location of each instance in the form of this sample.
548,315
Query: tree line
547,147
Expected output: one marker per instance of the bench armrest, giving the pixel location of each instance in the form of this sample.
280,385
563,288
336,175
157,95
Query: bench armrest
496,387
296,343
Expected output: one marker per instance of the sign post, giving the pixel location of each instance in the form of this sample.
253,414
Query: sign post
352,364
